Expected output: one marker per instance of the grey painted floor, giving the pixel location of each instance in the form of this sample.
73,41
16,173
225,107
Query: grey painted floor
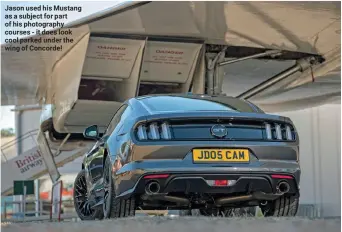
183,224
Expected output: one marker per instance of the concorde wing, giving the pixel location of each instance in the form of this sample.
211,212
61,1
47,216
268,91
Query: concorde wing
305,27
26,77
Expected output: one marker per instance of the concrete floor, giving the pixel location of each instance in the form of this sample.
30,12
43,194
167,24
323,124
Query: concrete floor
188,224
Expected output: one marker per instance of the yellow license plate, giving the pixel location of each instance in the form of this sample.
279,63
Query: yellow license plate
220,155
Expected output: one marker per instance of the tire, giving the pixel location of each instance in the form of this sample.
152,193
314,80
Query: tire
112,206
285,206
99,215
81,203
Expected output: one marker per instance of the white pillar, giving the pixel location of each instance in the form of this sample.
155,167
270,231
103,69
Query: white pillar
18,129
36,192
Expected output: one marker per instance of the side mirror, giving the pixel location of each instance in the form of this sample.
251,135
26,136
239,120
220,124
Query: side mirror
91,132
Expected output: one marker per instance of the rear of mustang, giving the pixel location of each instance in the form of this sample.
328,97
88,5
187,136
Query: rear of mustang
218,157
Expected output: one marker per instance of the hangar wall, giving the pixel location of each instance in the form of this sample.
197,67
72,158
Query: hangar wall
319,131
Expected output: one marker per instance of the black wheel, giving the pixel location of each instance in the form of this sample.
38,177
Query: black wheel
81,203
113,207
285,206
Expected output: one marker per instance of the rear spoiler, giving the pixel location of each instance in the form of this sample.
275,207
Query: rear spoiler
217,115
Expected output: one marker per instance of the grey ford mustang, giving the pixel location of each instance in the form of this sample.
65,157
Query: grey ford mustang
185,152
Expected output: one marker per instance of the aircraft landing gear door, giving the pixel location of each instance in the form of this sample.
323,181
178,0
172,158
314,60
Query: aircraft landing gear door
169,67
110,76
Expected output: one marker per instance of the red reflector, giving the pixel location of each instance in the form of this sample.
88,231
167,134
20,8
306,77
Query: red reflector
221,183
281,177
156,176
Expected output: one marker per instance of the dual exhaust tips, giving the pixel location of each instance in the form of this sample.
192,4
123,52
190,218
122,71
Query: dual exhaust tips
152,188
152,191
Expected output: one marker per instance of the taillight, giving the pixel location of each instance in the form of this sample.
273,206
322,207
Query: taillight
276,176
157,176
268,131
289,135
154,131
279,131
165,131
142,135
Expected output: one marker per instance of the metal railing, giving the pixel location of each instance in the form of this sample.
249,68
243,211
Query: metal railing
9,150
43,214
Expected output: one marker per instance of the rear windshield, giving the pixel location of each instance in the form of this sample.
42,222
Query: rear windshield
177,103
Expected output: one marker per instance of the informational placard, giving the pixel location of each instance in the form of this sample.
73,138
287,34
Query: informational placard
56,200
107,57
168,61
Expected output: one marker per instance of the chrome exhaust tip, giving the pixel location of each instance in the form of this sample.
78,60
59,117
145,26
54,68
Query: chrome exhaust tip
152,188
283,187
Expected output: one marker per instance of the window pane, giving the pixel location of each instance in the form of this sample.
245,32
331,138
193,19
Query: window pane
116,119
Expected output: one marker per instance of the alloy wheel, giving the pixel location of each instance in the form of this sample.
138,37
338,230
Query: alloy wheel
81,197
107,189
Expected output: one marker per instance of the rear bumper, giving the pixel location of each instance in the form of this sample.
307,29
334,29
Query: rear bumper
196,183
192,179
